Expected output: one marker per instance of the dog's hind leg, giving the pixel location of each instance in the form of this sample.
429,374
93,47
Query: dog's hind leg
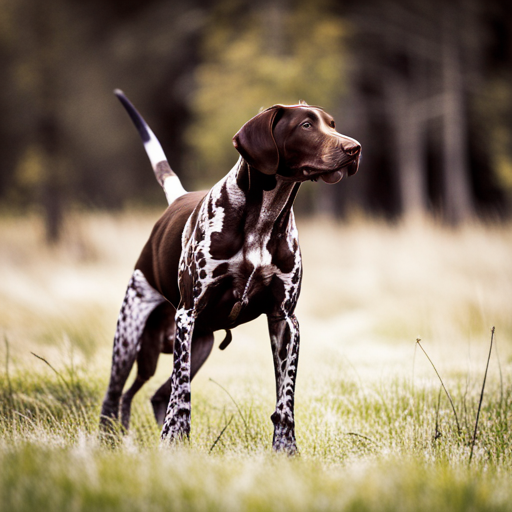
202,344
139,301
157,337
160,401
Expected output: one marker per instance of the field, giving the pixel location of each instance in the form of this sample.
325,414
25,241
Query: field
375,428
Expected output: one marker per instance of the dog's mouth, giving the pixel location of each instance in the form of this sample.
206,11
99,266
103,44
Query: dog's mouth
331,177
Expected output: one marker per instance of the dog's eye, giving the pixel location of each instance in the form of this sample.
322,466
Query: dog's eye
306,125
333,124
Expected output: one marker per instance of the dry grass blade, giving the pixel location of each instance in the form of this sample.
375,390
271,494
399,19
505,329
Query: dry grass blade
437,432
481,398
444,387
56,372
366,438
233,400
221,432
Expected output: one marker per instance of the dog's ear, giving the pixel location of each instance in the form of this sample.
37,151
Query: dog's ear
255,141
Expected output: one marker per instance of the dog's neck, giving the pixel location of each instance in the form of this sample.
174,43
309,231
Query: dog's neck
269,199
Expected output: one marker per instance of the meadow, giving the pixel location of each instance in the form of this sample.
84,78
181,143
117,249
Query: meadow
375,429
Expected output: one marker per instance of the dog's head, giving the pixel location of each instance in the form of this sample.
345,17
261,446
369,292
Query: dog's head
299,143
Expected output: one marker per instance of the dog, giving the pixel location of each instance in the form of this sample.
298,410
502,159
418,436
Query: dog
220,258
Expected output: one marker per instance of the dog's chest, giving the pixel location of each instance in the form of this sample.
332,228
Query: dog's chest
250,262
235,254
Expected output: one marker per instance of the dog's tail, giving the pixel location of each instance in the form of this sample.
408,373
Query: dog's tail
164,174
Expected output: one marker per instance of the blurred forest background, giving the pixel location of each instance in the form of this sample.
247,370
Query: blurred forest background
425,86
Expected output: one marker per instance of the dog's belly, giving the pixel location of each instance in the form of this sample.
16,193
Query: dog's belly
216,316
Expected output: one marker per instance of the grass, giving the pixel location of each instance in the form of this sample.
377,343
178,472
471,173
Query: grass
374,428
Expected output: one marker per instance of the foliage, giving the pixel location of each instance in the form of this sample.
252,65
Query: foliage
198,70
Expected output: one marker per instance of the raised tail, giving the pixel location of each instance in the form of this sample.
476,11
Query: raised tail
164,174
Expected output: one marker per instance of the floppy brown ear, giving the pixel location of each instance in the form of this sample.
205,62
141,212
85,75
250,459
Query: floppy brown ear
255,141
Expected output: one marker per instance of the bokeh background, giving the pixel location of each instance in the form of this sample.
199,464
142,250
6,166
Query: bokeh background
426,87
417,245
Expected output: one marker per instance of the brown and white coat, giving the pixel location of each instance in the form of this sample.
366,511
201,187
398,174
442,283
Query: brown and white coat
221,258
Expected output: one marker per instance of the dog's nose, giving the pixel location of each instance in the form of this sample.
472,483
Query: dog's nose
352,149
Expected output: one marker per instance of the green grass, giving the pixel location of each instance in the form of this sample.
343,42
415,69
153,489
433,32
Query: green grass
374,428
187,480
363,447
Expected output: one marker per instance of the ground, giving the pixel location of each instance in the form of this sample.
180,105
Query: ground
375,429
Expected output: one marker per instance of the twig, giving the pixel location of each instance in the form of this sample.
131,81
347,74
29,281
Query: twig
481,397
442,384
221,432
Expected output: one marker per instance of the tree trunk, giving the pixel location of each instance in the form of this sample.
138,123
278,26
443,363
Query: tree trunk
409,151
47,124
457,191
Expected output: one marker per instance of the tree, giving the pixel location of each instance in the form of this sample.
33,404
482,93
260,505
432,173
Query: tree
416,69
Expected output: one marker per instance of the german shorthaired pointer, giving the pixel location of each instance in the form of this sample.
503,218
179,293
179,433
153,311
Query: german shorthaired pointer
221,258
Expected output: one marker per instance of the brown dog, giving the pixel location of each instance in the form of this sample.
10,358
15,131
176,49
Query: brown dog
221,258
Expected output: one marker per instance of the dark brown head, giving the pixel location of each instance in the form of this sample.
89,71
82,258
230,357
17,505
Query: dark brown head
299,143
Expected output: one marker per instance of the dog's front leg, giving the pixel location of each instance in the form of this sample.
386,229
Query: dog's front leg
177,419
284,337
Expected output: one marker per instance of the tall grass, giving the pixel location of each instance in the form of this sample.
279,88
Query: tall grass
374,432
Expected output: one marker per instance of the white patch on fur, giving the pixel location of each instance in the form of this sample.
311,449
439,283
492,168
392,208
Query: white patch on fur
173,188
214,225
154,149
